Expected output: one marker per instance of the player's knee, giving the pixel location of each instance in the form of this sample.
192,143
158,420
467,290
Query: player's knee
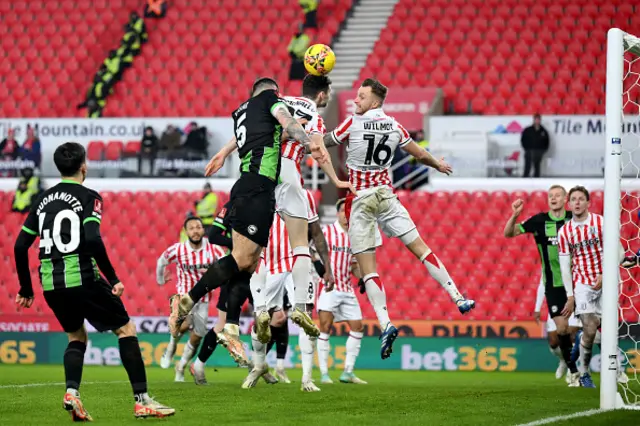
195,339
553,340
127,330
356,326
247,262
79,336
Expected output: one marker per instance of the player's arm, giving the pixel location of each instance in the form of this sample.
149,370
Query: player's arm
512,228
25,239
217,161
564,255
92,217
539,300
290,124
424,157
322,249
339,135
327,168
168,256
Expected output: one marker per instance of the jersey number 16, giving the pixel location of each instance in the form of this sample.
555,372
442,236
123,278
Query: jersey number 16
378,153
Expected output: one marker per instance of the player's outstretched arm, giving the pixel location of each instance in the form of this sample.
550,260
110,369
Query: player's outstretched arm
295,131
322,248
217,161
425,157
21,255
328,169
329,140
511,228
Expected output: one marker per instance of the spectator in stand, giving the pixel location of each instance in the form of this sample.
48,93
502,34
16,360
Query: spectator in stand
22,199
97,94
170,140
207,207
196,142
297,47
148,149
138,25
155,9
33,182
9,151
114,65
310,9
30,149
129,46
535,143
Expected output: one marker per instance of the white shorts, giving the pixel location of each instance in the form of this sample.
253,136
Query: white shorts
291,197
198,318
373,208
588,300
271,296
573,322
342,304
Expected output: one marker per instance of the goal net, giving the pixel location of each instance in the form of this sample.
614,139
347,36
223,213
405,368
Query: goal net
621,287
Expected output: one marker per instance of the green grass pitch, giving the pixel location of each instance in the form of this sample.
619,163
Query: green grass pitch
33,395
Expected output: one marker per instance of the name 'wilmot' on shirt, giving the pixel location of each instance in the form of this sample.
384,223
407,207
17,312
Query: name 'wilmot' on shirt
378,126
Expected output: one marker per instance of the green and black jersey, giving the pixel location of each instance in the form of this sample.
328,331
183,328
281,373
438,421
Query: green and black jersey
60,217
544,228
258,135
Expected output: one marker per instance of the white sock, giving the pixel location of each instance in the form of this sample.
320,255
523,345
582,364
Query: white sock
280,364
187,354
73,392
353,350
259,349
306,353
585,357
557,352
173,341
323,352
300,274
377,298
439,273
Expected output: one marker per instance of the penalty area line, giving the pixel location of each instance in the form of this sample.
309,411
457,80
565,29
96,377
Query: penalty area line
549,420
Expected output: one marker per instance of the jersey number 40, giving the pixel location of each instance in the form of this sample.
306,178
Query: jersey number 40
51,237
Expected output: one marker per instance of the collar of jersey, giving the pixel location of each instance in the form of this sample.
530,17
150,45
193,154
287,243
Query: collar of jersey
339,227
70,181
557,219
584,222
373,111
205,241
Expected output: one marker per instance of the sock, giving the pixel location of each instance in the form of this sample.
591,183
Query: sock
300,274
239,291
273,338
585,356
173,341
323,353
377,298
557,352
439,273
598,339
280,363
565,347
208,346
187,355
282,341
259,349
219,273
132,362
306,353
353,350
73,362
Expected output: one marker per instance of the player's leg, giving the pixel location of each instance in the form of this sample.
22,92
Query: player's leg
325,315
349,310
307,344
564,339
229,337
590,324
257,285
554,348
170,351
199,317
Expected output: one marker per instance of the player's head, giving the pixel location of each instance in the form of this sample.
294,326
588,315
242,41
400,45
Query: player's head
317,88
70,159
342,215
579,200
371,94
194,228
262,84
557,196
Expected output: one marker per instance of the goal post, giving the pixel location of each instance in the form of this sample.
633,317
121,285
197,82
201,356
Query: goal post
622,85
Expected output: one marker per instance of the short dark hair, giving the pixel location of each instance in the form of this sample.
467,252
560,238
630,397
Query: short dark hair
377,88
314,84
339,203
189,219
579,188
263,81
69,157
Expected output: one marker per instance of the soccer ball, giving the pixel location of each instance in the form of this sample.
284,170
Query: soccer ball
319,59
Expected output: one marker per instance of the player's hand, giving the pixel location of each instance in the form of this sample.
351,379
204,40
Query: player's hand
202,270
318,152
24,302
569,307
517,207
118,289
167,276
329,281
341,184
444,167
536,316
598,285
215,164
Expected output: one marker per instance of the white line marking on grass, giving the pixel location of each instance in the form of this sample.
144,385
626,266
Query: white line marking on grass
35,385
548,420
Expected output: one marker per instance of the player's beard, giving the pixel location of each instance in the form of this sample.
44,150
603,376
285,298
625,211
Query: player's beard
195,241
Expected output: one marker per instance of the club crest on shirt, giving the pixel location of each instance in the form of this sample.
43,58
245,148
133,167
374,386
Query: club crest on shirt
97,206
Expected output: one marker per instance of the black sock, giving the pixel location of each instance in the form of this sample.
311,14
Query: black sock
282,341
132,361
73,362
209,344
565,347
239,291
219,273
274,331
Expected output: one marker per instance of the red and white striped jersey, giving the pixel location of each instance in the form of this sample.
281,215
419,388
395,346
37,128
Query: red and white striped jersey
308,110
190,264
373,138
583,242
339,255
278,256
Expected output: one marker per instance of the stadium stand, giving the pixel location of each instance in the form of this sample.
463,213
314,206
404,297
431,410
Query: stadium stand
196,62
466,235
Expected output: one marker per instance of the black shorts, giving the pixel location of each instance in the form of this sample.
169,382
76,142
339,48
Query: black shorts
253,204
93,302
556,300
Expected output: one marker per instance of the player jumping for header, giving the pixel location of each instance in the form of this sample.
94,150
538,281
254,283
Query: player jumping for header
372,137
